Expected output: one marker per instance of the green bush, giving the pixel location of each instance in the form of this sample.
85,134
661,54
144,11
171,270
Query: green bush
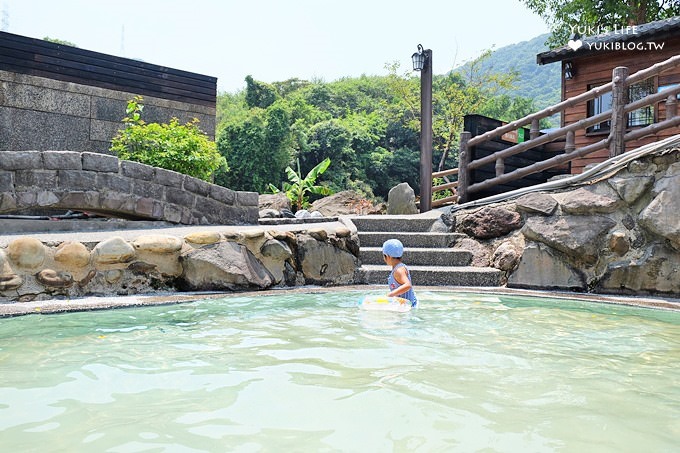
183,148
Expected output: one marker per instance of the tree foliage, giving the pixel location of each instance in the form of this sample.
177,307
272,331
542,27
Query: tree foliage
566,17
179,147
368,126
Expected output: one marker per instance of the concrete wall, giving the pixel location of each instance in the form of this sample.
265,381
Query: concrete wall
41,114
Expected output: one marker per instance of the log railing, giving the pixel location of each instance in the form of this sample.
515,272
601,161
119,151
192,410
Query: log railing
615,141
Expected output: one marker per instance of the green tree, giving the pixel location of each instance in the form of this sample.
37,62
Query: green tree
566,17
259,94
179,147
258,147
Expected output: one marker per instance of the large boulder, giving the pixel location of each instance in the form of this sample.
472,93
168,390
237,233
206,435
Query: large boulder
225,265
323,263
346,202
655,272
661,215
490,222
401,199
540,268
577,236
277,201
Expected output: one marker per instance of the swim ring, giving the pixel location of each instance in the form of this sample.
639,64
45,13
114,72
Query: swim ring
384,303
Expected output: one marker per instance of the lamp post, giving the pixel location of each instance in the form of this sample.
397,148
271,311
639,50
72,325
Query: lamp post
422,61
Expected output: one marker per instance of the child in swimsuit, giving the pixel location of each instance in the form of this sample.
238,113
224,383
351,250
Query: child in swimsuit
399,280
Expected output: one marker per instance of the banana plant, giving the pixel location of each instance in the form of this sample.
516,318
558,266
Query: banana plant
298,188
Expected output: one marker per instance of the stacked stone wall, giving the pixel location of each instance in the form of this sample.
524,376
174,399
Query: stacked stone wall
99,183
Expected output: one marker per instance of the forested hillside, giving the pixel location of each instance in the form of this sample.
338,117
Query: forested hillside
538,82
369,126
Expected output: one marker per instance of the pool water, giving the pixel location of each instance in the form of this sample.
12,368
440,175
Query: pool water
311,372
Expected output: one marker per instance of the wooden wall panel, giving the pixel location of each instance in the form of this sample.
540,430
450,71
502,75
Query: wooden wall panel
597,69
70,64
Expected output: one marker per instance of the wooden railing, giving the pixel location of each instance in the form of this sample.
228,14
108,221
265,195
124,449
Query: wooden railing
615,141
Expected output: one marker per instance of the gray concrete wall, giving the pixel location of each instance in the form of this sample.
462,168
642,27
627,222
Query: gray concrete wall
41,114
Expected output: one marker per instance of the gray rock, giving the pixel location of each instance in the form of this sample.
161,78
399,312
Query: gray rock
578,236
661,215
276,201
630,189
582,201
223,266
347,202
322,263
505,257
302,214
540,268
401,199
658,271
480,253
269,214
537,203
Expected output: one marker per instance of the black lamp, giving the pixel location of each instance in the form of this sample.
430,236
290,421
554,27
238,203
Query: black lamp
568,70
418,59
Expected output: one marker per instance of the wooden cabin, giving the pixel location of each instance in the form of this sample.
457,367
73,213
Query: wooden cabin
588,62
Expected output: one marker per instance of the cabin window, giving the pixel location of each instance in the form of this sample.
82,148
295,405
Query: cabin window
645,115
639,117
598,105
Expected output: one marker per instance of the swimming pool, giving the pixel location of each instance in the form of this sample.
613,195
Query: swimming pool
311,372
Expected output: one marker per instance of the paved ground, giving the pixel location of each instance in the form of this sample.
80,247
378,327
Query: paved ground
96,231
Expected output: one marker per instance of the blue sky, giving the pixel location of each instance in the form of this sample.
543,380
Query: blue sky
274,40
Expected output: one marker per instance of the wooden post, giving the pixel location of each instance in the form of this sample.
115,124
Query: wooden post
500,166
617,129
570,145
535,131
671,106
426,134
463,172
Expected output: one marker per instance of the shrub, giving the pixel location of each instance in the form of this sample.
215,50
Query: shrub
183,148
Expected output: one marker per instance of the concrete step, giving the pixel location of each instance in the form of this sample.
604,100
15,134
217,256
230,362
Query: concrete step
410,240
393,223
420,256
433,275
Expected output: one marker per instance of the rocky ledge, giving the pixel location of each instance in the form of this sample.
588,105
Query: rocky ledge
31,269
618,234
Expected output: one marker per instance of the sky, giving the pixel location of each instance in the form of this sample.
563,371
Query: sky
276,40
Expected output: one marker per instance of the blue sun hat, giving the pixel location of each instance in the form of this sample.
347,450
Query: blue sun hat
393,248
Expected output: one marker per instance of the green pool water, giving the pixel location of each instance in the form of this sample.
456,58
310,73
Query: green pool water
311,372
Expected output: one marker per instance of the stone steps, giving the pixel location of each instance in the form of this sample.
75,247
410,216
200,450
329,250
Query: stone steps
433,275
428,255
420,256
422,239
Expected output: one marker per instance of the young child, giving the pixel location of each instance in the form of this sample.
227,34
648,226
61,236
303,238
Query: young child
399,280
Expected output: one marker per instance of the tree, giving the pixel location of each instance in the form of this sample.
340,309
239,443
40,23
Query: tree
259,94
589,17
257,146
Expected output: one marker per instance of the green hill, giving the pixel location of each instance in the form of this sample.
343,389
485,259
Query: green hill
538,82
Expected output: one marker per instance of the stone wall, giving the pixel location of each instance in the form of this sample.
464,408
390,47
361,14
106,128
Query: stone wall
31,180
38,113
203,260
619,234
